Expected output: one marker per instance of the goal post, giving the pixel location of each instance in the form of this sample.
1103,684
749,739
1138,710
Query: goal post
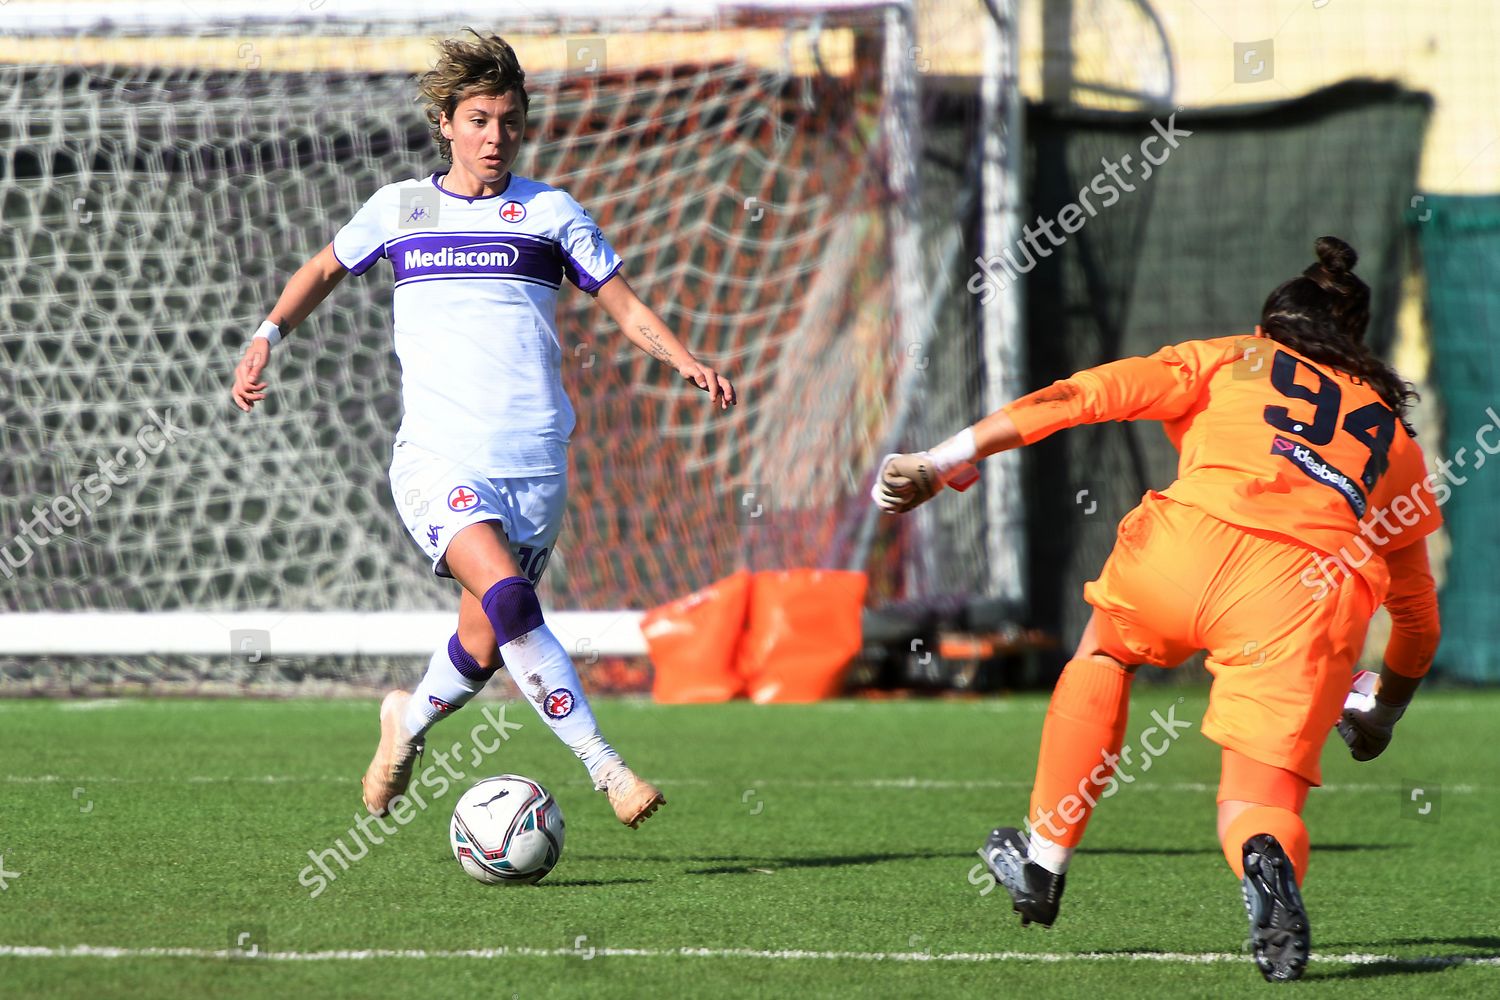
170,166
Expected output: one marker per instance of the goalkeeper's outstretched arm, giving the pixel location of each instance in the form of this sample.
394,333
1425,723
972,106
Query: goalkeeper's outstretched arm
1159,387
304,290
905,481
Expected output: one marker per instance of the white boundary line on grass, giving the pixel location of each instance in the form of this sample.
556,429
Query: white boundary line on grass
22,701
372,954
910,784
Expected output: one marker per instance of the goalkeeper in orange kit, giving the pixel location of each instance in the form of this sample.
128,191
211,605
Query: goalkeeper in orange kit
1301,505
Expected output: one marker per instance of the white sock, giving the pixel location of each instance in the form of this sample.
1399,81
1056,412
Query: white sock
453,677
1053,857
542,669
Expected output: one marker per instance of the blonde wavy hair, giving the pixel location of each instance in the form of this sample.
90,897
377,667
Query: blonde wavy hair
483,65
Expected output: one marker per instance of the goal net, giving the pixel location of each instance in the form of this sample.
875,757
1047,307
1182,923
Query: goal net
163,177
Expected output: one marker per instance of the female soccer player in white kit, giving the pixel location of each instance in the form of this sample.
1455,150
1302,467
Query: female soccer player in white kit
479,470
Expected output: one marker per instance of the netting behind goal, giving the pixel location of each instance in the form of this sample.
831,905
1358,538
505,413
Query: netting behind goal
158,189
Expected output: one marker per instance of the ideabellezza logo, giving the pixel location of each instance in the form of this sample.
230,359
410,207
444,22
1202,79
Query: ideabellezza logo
1313,466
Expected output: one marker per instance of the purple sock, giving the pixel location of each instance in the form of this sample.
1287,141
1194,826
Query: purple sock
453,677
512,609
466,664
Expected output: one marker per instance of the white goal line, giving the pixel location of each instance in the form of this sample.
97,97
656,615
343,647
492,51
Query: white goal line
264,635
790,954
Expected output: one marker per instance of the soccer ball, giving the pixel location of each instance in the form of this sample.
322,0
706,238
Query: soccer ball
507,829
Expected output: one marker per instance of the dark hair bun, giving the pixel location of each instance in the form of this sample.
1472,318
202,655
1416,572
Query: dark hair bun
1336,255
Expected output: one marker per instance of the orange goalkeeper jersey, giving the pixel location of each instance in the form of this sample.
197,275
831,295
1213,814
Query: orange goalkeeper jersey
1268,441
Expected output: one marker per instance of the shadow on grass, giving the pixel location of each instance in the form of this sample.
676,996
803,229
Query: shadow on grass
446,861
1470,942
747,866
740,864
1370,970
1180,851
1488,951
1404,966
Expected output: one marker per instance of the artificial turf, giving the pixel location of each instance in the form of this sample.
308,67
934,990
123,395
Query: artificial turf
827,850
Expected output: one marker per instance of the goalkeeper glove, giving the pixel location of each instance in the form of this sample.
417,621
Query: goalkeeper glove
1367,722
907,481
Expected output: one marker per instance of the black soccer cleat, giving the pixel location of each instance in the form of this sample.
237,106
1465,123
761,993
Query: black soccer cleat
1034,891
1278,922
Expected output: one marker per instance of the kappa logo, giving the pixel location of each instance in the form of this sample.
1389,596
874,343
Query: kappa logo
513,211
462,498
558,703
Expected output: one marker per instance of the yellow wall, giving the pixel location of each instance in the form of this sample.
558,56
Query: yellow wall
538,53
1448,48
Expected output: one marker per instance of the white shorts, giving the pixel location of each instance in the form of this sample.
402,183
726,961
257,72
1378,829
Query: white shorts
437,498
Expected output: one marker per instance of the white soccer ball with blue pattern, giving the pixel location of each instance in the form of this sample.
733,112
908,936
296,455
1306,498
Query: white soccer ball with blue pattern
507,829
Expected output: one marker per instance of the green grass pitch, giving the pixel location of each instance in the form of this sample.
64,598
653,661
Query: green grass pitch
822,850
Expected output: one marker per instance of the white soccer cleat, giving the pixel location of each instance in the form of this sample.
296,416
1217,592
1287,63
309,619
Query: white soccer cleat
633,799
389,772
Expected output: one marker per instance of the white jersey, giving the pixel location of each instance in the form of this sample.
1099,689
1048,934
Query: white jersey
475,311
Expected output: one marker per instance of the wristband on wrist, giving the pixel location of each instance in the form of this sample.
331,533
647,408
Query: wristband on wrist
958,450
269,332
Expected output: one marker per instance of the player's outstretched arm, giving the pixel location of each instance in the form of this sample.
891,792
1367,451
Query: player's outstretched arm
647,331
304,290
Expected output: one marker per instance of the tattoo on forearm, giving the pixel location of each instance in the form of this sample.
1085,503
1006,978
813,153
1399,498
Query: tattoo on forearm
657,350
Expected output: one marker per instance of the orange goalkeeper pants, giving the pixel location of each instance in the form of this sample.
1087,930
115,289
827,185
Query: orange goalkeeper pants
1179,581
